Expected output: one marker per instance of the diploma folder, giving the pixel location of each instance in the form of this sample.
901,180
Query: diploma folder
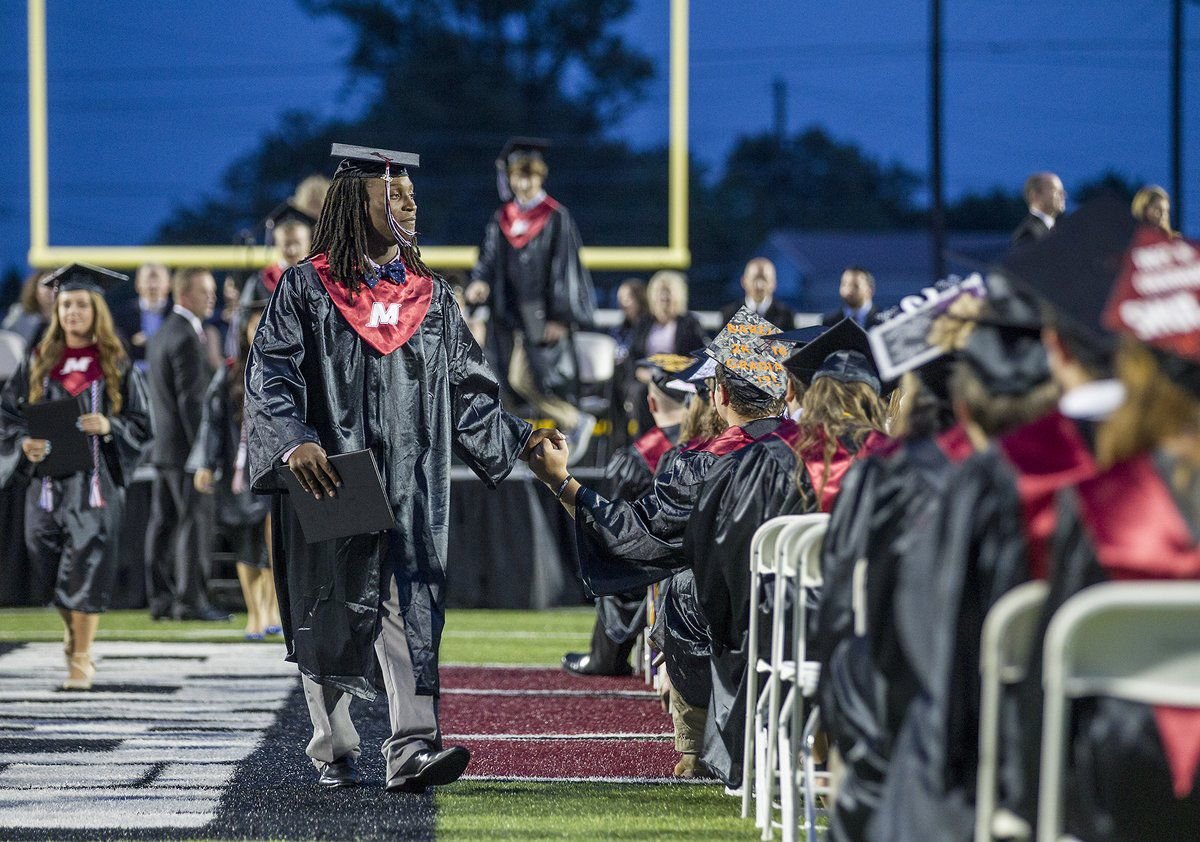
54,421
359,507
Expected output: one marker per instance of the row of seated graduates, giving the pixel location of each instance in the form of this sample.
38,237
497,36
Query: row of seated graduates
734,467
1047,448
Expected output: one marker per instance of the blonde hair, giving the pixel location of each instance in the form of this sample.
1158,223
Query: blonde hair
677,282
834,410
112,353
1143,198
1156,409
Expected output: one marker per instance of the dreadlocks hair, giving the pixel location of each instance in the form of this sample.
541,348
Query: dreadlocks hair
342,232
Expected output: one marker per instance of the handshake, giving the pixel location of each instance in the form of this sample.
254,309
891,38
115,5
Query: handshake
547,454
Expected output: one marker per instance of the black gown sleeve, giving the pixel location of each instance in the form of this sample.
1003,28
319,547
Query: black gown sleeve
132,429
209,449
487,266
624,545
572,300
276,396
14,467
627,476
488,439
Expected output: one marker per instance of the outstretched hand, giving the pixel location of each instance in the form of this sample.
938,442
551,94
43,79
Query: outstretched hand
549,461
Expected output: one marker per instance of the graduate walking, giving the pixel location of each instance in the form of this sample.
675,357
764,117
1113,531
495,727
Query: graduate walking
362,347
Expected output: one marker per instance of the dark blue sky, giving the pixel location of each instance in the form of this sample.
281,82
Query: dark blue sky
146,111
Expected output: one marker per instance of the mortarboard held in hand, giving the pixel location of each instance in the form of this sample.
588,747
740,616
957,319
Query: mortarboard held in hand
927,327
738,349
83,276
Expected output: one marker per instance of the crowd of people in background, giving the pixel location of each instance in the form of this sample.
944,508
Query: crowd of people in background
928,476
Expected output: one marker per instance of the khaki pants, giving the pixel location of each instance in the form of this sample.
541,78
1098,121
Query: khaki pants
413,718
689,724
520,378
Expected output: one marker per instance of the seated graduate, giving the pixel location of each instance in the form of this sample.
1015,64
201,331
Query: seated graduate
996,516
884,502
623,544
72,522
620,618
762,481
1131,768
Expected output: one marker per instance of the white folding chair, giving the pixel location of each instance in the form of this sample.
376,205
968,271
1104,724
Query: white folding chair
792,544
800,562
1008,638
762,562
1126,640
596,354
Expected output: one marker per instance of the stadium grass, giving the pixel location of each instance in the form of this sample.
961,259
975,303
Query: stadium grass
486,809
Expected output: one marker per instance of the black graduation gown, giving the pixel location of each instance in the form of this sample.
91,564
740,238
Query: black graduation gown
628,476
744,490
543,280
240,516
77,540
973,555
312,378
1128,776
629,544
885,502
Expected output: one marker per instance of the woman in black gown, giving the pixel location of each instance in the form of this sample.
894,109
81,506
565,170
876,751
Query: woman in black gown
72,522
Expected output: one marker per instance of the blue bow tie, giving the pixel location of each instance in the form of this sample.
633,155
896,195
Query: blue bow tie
393,271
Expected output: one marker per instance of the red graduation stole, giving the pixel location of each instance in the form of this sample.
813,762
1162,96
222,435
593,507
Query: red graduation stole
734,438
1049,455
1139,533
955,444
384,317
520,226
271,276
827,487
652,446
77,369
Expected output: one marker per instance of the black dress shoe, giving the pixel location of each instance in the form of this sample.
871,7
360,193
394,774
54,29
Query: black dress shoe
339,774
579,663
430,768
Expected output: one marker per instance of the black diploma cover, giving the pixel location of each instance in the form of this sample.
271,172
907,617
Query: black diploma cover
70,451
359,508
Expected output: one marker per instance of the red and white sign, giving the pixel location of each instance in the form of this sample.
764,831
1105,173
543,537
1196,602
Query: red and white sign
1157,295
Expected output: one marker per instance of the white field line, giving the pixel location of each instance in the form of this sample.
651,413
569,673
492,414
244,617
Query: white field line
598,779
567,737
234,634
603,694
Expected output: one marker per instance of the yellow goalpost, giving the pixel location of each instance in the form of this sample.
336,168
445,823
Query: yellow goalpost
43,254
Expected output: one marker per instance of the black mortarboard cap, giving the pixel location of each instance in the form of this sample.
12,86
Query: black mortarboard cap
83,276
846,335
516,148
1073,268
849,367
666,369
366,162
287,212
1007,357
797,338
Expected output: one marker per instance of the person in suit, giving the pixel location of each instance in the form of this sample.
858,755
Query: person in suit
669,328
758,280
177,542
857,290
138,319
1046,198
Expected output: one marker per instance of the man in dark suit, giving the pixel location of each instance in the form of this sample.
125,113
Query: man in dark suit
857,289
1046,198
758,280
138,319
179,533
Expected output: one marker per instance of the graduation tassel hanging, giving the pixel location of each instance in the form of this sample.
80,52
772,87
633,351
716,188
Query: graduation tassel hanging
95,498
46,496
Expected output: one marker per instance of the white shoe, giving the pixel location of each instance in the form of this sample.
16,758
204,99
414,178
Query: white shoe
579,438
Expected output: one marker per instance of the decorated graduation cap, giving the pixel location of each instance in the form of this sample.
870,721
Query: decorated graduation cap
519,152
288,214
1156,300
368,162
927,326
83,276
737,349
665,370
692,379
842,353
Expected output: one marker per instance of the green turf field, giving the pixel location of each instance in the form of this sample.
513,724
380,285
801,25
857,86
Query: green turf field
487,809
